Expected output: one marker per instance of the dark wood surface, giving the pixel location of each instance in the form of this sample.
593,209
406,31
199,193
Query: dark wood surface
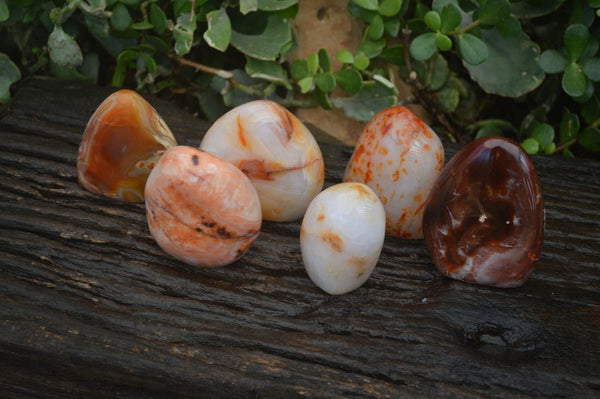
91,307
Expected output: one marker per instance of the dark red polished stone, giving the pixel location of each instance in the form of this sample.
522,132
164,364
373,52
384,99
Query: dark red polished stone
484,219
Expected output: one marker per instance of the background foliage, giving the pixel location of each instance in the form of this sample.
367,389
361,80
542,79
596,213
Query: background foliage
527,69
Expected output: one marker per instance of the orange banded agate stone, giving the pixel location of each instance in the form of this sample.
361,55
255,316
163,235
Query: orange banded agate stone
120,145
200,208
484,220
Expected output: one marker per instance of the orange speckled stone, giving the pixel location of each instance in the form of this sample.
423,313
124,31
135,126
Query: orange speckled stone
484,222
200,208
120,146
399,157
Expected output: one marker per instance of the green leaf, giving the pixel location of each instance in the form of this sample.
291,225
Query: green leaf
550,149
590,110
350,80
509,26
63,49
267,70
576,39
269,44
437,73
524,9
448,98
59,16
299,69
360,13
66,73
444,43
472,49
389,8
9,74
591,69
492,12
181,6
323,99
372,98
90,67
531,146
305,84
142,25
553,61
590,139
488,131
99,28
438,5
423,46
247,6
544,134
95,7
183,33
158,18
325,81
132,3
150,63
451,18
324,61
312,63
218,34
433,20
512,67
345,57
581,13
275,5
391,27
574,82
587,94
120,18
367,4
394,54
569,126
372,48
376,27
4,15
361,62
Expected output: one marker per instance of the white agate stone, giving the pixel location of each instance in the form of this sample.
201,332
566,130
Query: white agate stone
342,236
276,151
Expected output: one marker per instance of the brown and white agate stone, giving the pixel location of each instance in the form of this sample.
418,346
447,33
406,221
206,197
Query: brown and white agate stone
484,220
121,144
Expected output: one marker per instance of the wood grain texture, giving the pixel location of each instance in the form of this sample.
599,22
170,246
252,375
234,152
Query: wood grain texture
91,307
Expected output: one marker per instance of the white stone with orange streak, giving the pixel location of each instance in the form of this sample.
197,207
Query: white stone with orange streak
341,237
276,151
201,209
399,157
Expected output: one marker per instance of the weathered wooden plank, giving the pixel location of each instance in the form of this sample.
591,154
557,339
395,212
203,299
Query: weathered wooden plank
90,306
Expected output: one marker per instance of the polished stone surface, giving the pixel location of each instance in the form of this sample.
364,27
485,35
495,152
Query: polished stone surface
484,220
120,145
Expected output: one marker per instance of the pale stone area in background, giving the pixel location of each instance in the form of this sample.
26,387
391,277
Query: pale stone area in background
328,24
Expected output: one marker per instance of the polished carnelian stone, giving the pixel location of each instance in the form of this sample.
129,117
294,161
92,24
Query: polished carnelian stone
121,143
484,220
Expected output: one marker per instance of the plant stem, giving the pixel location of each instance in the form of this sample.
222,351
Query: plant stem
595,124
465,29
204,68
564,146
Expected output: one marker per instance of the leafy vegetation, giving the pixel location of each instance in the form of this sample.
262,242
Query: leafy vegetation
527,69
